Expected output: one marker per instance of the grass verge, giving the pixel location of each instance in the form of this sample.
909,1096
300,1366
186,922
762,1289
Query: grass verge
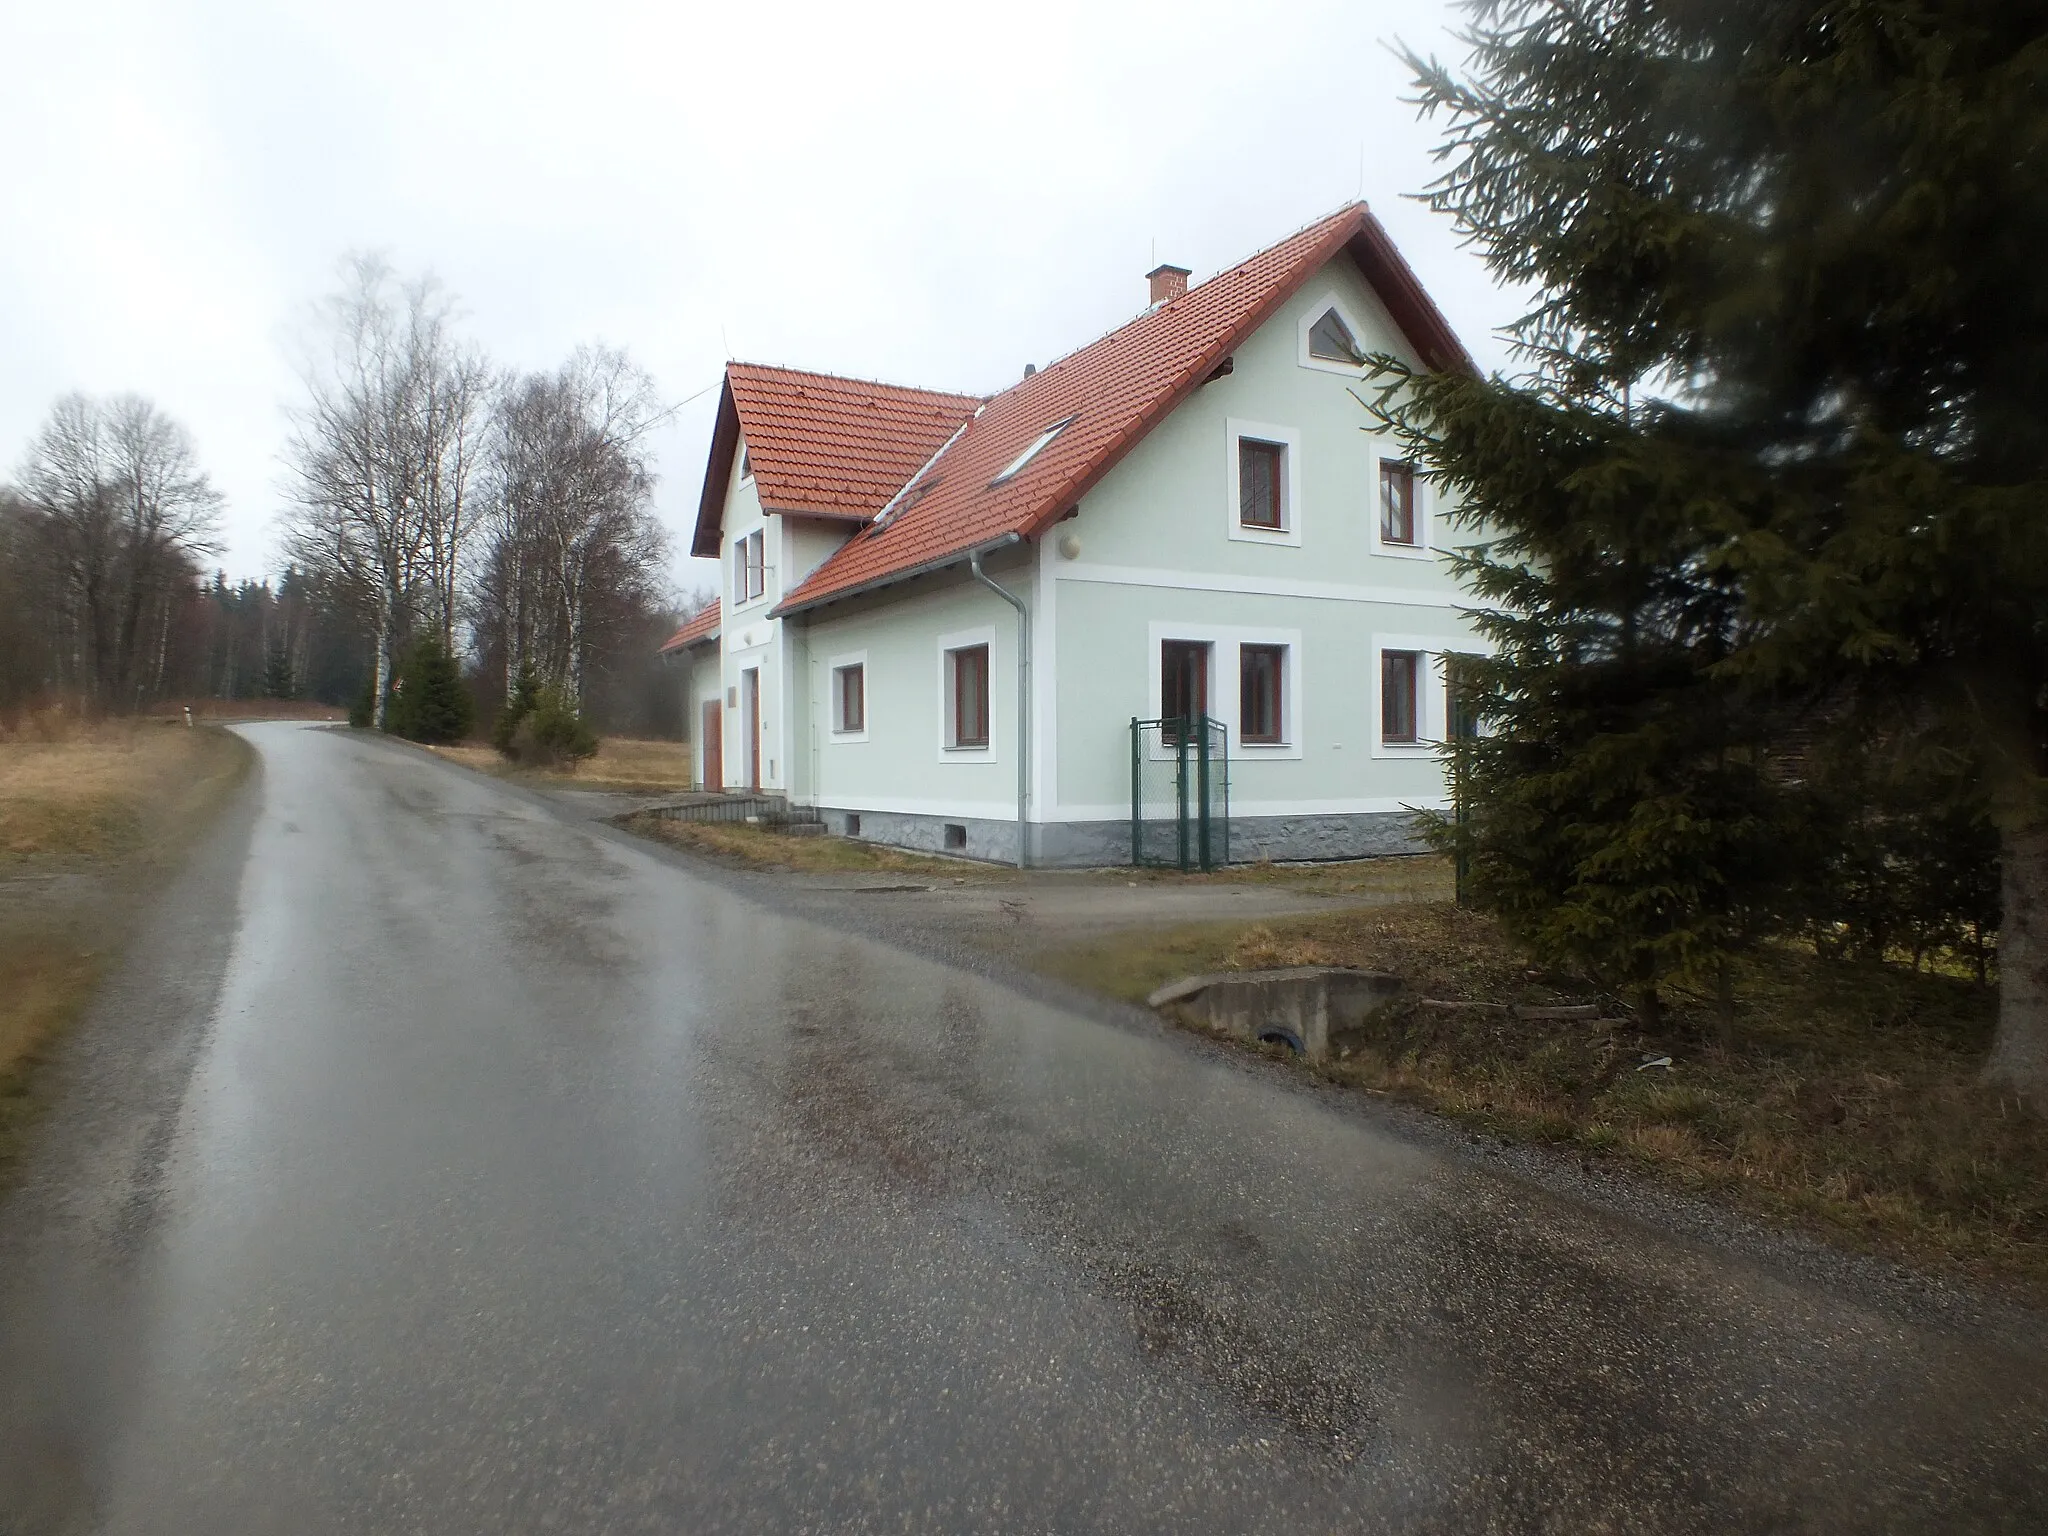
1845,1102
90,817
622,765
737,843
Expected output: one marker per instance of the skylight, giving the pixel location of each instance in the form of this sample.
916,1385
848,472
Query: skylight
1330,340
1016,466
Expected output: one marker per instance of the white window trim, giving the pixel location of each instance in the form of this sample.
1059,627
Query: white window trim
833,667
1432,705
959,640
1330,299
1425,546
1289,438
1224,678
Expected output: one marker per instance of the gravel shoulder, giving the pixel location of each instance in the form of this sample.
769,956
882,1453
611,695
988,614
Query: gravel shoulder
1019,928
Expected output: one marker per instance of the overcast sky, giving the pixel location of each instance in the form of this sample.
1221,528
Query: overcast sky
933,194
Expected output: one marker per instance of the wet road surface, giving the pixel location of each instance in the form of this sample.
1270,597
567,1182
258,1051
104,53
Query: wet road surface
511,1176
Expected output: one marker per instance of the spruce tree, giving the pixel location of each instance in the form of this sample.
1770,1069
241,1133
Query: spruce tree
1789,343
519,703
429,702
278,682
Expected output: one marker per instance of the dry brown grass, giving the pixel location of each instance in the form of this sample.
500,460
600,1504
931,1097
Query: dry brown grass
1846,1100
88,810
755,847
204,710
622,765
45,982
80,790
1418,877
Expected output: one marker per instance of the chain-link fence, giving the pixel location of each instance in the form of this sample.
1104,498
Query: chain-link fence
1180,793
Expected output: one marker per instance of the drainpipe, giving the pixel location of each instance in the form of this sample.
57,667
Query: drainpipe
1023,686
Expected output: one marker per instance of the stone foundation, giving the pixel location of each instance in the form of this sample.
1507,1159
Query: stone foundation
1098,844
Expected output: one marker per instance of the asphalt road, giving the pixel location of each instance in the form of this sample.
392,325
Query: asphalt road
442,1164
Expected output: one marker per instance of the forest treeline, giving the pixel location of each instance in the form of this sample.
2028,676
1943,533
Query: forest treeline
505,517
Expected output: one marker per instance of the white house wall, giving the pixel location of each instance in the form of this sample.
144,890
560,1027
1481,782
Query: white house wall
899,777
750,639
1156,552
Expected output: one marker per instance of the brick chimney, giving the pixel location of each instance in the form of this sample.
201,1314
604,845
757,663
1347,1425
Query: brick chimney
1168,283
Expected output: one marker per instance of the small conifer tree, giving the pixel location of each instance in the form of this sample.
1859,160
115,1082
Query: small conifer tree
429,702
519,703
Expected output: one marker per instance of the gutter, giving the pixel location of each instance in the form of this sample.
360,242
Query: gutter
1023,685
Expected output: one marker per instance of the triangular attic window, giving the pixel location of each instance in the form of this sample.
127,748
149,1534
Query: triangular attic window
1331,341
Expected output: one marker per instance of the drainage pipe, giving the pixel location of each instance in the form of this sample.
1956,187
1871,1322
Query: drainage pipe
1023,685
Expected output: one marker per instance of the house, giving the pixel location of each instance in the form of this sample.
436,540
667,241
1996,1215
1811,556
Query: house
944,613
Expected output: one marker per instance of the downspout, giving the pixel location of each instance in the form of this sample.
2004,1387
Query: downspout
1023,687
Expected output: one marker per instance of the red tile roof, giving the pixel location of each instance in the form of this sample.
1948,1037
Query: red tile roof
699,626
1115,391
819,445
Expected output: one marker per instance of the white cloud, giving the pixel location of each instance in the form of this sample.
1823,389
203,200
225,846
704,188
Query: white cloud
933,193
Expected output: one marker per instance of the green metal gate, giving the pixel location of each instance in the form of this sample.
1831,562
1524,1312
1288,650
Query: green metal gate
1180,793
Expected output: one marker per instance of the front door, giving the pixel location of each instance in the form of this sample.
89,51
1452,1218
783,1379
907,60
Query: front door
750,722
714,745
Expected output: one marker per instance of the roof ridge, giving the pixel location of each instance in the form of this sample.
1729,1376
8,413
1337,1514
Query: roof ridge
854,378
1193,288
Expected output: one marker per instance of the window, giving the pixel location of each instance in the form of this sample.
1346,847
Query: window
1400,673
1261,467
1260,669
850,699
749,567
746,465
1397,502
1183,682
1016,466
1330,340
967,691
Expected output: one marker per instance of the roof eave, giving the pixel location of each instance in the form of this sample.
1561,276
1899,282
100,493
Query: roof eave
725,436
796,602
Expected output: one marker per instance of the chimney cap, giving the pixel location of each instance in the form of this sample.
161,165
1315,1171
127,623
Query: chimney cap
1166,266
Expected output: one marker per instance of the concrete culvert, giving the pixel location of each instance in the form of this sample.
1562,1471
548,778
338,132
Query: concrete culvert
1303,1007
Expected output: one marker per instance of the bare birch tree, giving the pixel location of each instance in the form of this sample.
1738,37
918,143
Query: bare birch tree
572,549
383,452
116,512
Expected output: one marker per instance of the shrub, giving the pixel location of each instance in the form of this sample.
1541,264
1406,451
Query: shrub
551,734
363,712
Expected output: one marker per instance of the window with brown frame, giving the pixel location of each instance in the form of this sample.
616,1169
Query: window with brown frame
1183,684
1400,675
1397,502
1260,671
850,699
968,676
1261,467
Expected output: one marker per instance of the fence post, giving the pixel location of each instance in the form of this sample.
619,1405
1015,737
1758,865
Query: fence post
1180,790
1202,789
1137,791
